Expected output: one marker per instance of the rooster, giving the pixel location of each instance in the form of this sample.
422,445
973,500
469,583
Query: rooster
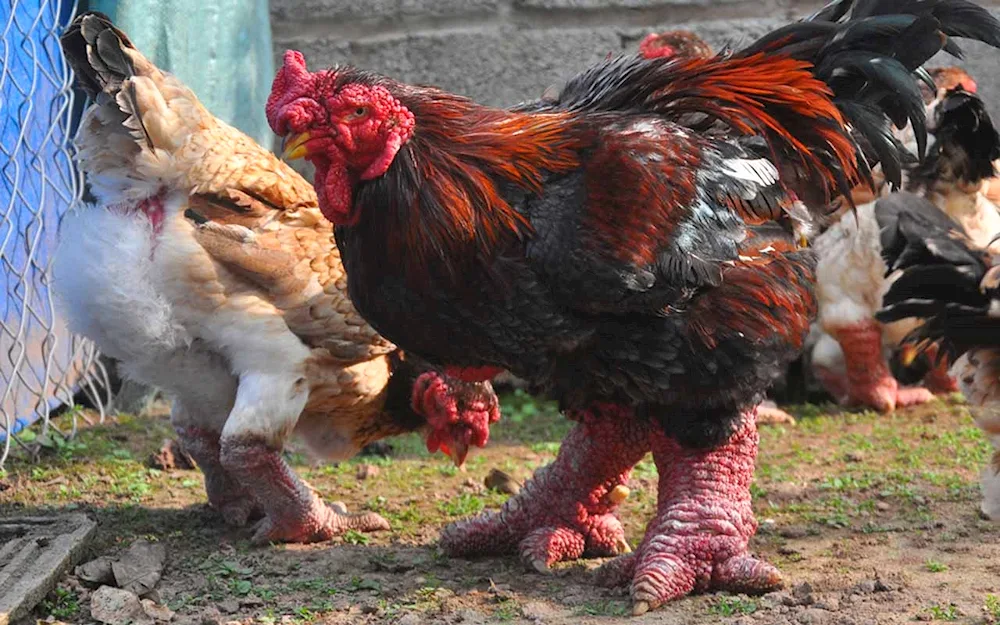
208,271
850,276
952,285
633,244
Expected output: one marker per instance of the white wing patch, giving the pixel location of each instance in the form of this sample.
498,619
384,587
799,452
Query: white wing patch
758,171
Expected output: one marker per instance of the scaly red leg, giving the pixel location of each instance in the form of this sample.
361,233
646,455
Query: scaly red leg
870,382
294,512
568,508
699,537
236,504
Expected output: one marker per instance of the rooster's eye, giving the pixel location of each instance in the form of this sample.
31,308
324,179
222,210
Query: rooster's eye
359,112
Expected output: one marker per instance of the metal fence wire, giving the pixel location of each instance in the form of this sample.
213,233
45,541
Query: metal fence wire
42,366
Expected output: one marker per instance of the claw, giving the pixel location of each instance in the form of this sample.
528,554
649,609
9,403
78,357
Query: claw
541,566
639,608
623,546
618,494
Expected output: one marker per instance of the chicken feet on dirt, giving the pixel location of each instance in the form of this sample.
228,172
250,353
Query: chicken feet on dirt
869,381
568,508
699,537
294,512
236,504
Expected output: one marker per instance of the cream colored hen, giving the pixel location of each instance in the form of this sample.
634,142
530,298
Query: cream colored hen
849,355
208,271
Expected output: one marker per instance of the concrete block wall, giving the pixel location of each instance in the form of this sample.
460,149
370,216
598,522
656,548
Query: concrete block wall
501,52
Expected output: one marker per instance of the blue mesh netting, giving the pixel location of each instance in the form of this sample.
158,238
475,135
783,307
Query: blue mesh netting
41,364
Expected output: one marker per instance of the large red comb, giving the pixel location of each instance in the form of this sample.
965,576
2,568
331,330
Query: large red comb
292,82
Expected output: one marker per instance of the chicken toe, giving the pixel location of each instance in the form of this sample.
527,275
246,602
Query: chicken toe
699,538
294,513
567,509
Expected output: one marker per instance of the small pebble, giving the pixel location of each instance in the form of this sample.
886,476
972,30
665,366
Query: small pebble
793,531
813,616
366,471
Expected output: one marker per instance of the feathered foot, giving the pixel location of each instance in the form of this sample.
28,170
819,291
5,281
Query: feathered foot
568,508
699,537
293,511
236,504
870,383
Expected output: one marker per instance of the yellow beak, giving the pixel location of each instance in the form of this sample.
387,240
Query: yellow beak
907,354
294,146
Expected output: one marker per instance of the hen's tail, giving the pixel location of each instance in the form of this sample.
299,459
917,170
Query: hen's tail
140,116
944,280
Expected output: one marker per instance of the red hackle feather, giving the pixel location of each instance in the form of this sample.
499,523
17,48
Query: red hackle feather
765,94
464,150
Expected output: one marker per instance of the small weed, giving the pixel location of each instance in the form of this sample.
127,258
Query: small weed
359,583
943,613
731,606
936,567
507,611
240,587
63,604
992,608
354,537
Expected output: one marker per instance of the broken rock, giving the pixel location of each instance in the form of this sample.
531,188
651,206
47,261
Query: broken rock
503,482
138,570
115,606
96,572
157,612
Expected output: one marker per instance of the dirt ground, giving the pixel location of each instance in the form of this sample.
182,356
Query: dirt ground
873,519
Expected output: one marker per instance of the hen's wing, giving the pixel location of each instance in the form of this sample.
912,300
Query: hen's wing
251,212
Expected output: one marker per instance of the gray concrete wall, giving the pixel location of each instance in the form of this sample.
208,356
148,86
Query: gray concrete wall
500,52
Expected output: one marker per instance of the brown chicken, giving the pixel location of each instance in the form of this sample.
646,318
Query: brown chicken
208,270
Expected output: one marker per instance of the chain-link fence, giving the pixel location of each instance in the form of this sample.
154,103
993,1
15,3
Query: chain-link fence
42,366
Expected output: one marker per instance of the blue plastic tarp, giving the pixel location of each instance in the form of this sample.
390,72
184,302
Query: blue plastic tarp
36,188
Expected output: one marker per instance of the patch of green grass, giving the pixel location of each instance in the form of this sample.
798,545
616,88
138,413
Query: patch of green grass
354,537
992,608
732,606
606,607
943,613
63,603
936,567
465,504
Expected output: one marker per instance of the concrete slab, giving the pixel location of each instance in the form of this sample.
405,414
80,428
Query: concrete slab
34,553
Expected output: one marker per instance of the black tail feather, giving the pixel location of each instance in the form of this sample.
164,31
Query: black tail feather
942,279
870,53
94,49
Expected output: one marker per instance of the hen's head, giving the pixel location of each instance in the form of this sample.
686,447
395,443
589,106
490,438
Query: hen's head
674,43
344,121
